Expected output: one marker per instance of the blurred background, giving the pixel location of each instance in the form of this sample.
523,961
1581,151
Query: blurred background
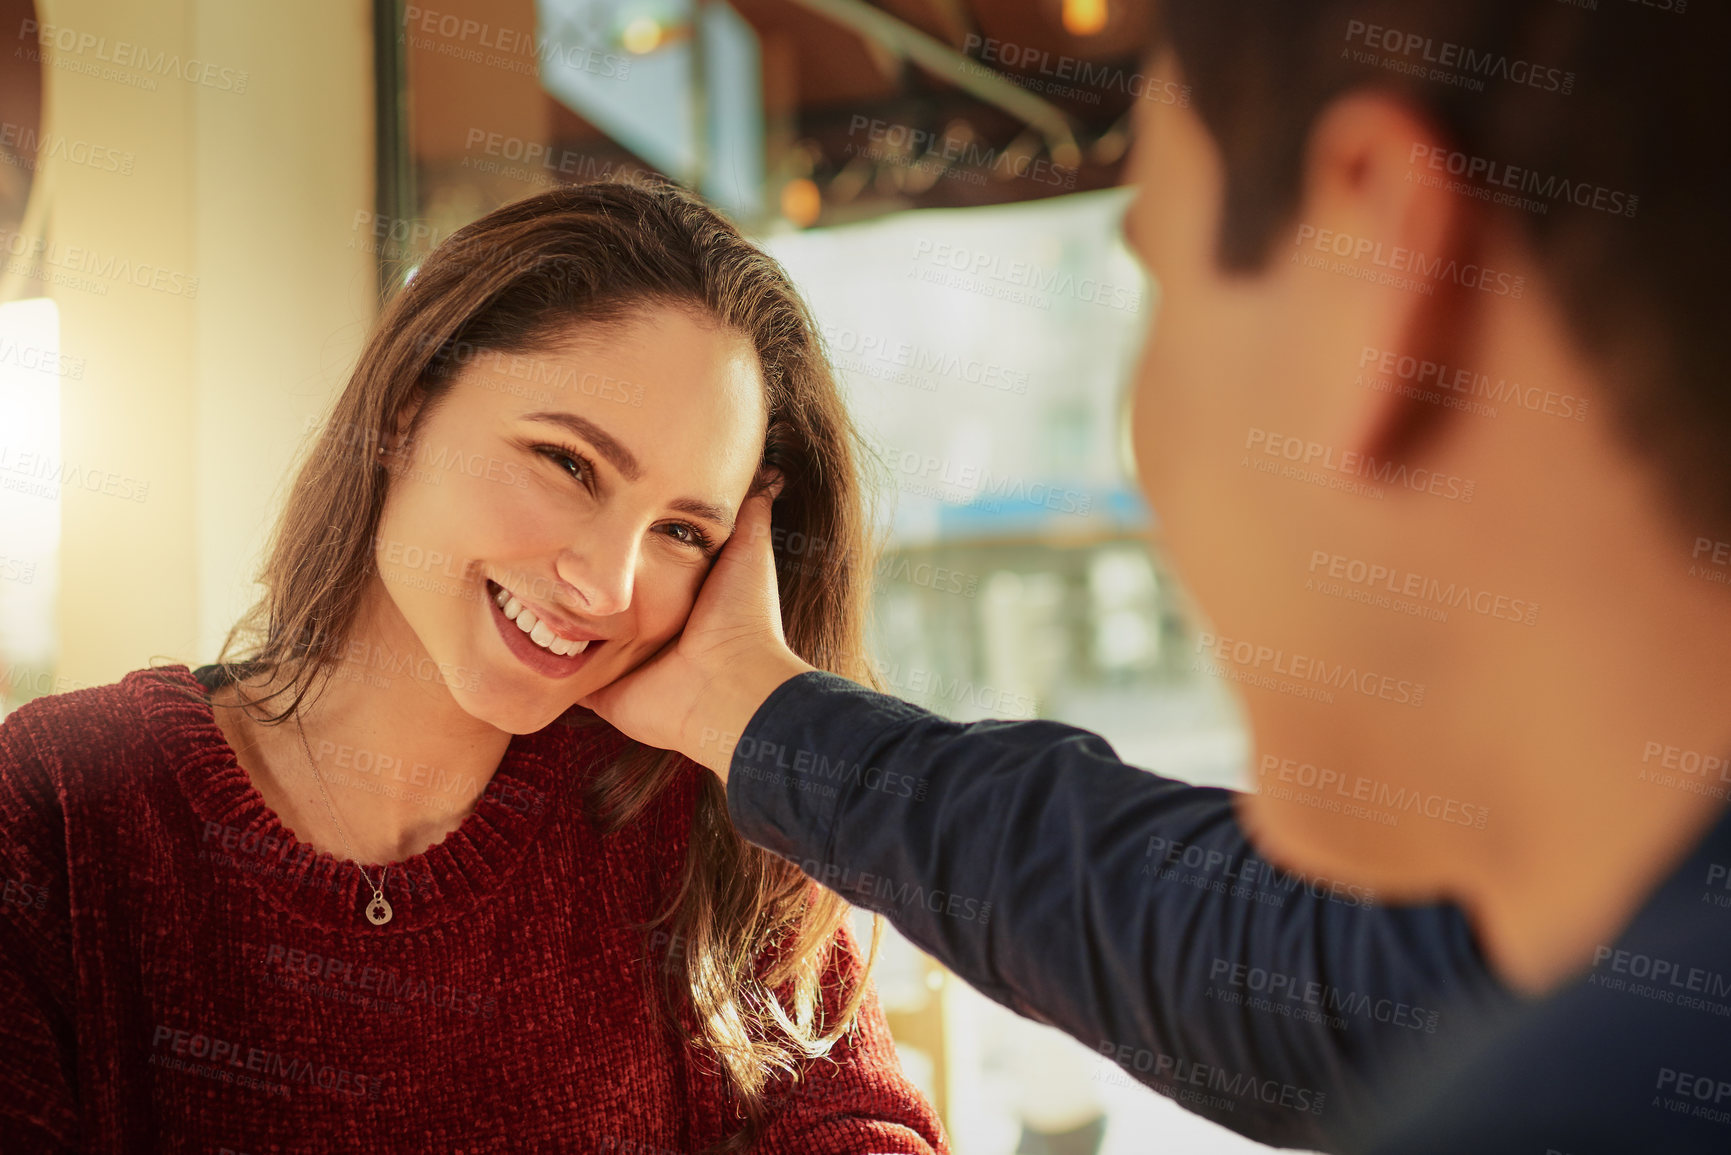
202,205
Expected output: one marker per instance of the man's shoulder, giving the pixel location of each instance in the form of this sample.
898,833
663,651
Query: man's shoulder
1632,1054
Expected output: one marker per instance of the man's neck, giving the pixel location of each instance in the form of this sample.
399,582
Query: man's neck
1579,882
1593,805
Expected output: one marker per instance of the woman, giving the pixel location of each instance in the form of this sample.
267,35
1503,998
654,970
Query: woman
382,885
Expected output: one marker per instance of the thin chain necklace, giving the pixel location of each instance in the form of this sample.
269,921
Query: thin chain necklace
378,910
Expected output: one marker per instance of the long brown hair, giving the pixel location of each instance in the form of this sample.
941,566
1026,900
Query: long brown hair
516,281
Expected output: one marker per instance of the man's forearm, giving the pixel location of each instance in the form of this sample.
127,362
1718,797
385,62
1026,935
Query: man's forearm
1107,901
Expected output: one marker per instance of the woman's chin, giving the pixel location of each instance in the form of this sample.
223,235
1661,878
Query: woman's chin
515,714
514,709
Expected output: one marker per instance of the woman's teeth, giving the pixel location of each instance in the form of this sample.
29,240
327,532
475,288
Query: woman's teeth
537,630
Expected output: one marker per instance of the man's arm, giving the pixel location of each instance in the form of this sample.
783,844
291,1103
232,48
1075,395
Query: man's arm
1124,908
1127,909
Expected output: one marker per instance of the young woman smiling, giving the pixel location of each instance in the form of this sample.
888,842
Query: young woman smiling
381,882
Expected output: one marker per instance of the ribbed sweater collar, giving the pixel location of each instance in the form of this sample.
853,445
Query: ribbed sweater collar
448,880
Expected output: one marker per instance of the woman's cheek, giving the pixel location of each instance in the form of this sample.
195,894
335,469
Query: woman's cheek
665,601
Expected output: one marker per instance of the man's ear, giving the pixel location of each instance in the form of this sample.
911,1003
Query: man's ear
1366,179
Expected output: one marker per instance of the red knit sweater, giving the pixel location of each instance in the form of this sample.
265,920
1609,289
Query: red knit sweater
179,973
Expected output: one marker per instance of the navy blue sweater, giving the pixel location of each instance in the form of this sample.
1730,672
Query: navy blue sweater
1130,911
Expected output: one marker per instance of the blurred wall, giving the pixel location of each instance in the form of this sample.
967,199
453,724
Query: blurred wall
251,129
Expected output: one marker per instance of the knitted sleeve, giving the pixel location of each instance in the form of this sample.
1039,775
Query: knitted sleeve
38,1052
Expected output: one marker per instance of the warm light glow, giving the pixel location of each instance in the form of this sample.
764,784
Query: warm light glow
1084,17
801,202
642,36
33,475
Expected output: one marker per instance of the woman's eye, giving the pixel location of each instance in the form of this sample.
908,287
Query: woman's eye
687,534
575,466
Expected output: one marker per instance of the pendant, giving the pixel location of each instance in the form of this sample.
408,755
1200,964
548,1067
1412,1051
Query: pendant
378,910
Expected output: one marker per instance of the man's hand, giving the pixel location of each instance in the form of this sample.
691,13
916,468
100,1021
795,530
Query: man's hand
697,694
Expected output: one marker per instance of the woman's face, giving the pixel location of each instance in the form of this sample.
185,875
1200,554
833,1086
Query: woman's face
590,487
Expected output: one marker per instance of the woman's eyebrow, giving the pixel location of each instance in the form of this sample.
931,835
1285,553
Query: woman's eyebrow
605,444
720,515
628,466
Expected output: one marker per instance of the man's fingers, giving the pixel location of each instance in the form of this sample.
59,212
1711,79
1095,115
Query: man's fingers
770,478
752,532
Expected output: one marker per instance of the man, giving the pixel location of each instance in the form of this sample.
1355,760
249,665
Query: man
1434,419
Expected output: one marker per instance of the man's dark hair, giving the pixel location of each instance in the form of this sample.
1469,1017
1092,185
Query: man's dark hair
1613,96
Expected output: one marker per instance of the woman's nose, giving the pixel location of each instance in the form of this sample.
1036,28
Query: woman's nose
600,570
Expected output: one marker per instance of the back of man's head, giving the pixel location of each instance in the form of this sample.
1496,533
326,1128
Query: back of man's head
1602,124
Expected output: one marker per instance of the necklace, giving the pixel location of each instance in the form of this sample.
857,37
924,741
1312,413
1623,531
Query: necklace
378,910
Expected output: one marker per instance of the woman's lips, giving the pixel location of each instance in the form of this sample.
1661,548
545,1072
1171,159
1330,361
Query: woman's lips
537,657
